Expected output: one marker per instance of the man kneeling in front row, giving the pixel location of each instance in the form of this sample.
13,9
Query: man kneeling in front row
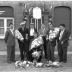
35,52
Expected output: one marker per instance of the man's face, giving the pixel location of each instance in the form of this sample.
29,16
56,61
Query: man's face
23,26
51,26
49,23
61,27
11,26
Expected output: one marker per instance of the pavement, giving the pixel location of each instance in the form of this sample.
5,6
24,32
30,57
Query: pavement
17,52
6,67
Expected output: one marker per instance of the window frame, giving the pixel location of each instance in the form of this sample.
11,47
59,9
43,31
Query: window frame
36,21
5,25
32,21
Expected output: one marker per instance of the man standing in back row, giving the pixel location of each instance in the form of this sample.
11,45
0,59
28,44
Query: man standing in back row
24,44
10,42
63,43
51,41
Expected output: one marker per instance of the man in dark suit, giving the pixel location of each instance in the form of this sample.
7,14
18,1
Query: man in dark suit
26,42
51,42
21,43
63,43
32,33
10,42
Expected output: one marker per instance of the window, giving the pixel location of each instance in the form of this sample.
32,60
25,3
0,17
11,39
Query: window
1,27
6,16
4,26
37,22
32,20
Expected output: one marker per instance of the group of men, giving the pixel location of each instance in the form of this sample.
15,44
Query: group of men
60,38
51,37
28,35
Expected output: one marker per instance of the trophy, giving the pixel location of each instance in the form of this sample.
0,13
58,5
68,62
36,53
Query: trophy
18,35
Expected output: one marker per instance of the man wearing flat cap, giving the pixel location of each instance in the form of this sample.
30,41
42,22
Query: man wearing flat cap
63,43
22,45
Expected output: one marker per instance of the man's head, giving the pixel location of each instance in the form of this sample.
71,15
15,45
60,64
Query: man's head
62,26
50,25
22,24
11,26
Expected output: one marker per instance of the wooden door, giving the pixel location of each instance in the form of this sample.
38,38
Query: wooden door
62,15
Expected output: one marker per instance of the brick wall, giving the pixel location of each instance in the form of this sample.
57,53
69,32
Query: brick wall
18,13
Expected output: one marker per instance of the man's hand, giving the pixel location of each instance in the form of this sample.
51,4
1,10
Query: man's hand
61,42
47,37
22,39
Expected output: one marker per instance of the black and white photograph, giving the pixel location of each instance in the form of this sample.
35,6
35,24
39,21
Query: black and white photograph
35,35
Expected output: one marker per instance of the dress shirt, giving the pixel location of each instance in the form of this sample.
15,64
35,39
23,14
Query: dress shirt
32,32
12,31
61,33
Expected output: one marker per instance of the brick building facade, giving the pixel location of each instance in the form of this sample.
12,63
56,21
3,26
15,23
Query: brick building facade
61,12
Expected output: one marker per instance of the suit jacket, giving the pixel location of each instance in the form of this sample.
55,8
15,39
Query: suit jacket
9,38
24,32
41,32
26,35
26,39
64,38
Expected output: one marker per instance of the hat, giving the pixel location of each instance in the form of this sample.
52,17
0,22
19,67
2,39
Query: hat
23,23
62,25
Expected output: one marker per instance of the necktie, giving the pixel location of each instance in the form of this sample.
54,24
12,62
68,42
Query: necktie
61,33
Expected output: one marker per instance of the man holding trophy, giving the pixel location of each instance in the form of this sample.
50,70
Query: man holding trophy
51,41
20,35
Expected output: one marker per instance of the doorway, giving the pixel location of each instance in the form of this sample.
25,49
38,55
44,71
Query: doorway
62,15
